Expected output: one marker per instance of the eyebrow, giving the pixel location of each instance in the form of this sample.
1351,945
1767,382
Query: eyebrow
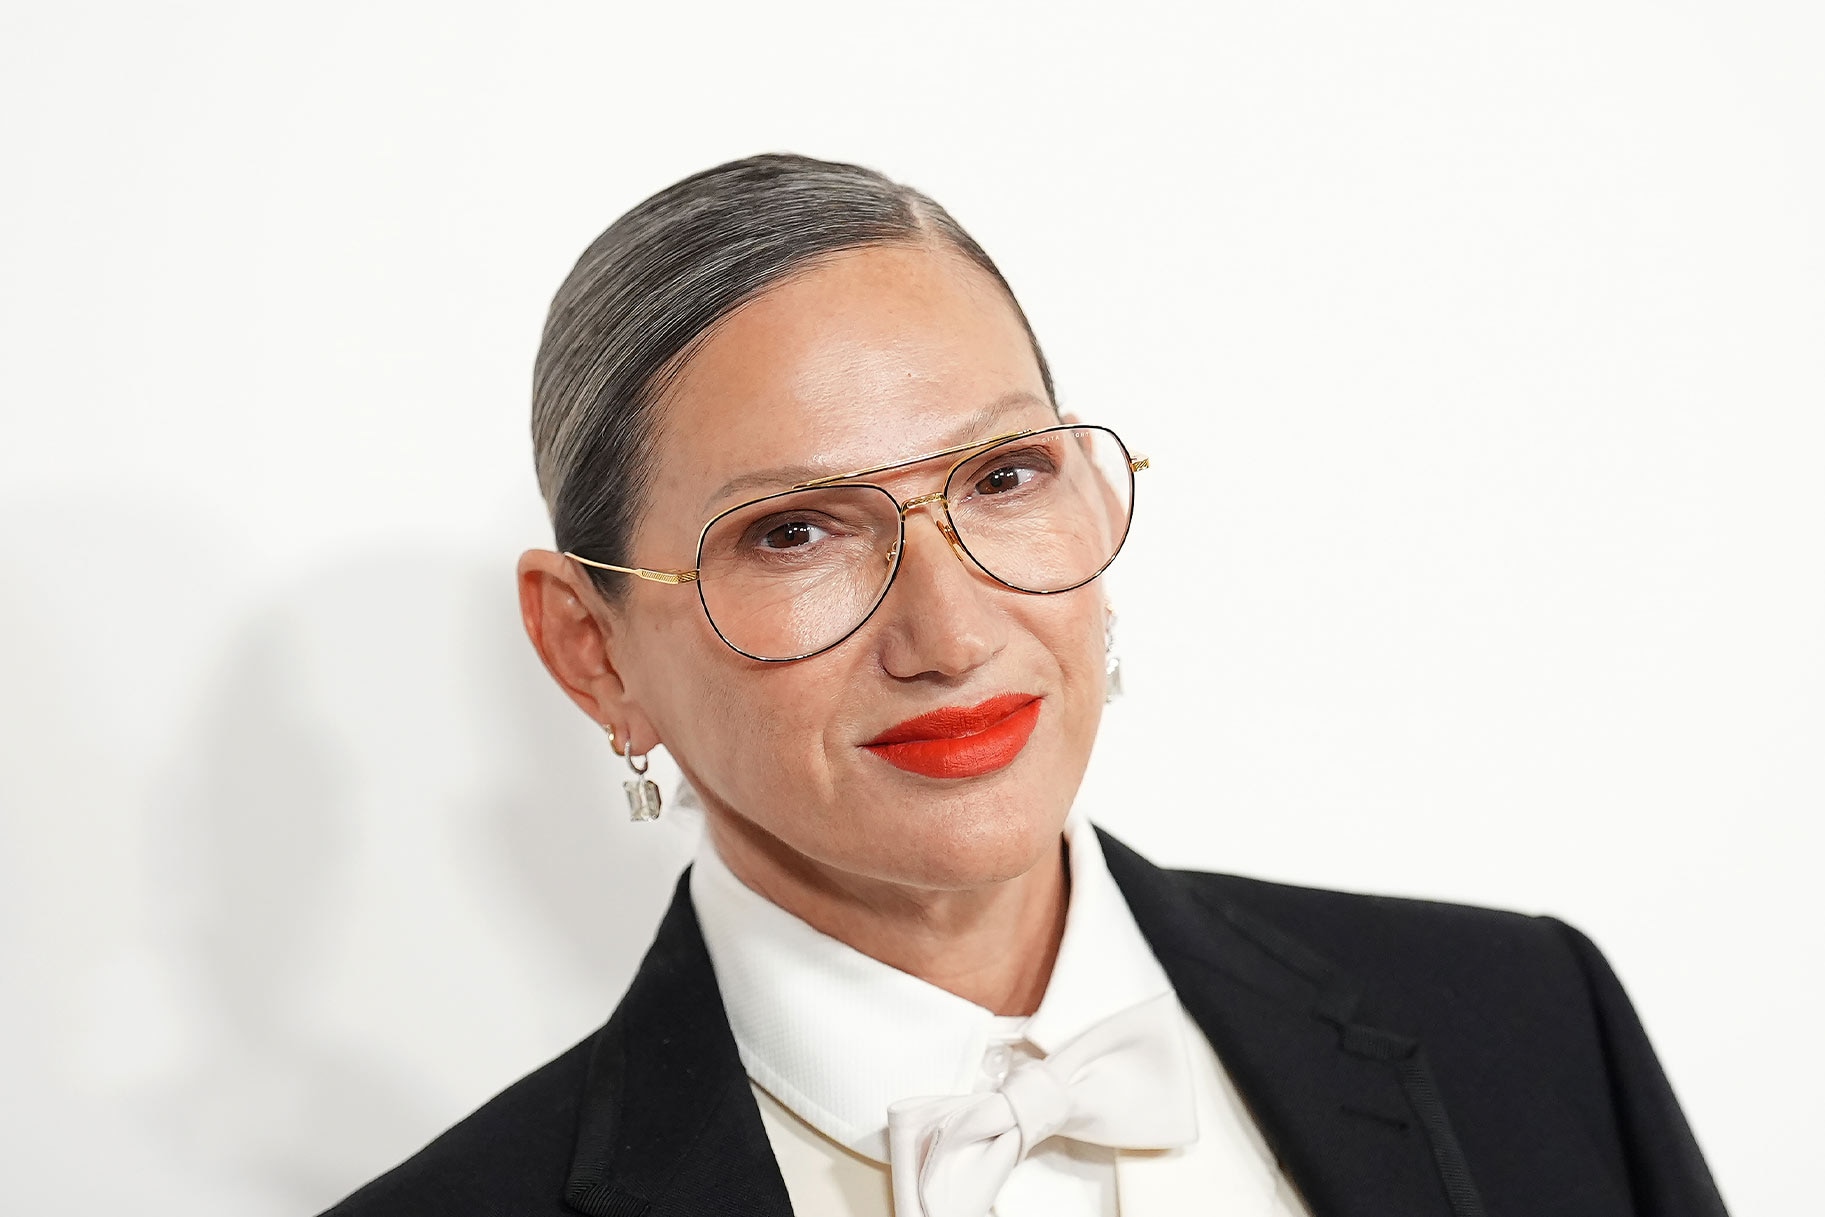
782,477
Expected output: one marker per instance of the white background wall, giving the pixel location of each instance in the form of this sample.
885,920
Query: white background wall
1481,350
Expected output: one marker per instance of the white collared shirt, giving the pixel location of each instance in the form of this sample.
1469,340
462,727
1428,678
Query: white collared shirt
831,1037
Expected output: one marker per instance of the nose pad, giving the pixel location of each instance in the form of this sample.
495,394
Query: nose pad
950,534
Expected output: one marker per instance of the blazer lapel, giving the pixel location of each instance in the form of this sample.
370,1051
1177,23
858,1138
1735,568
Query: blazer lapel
669,1126
1347,1106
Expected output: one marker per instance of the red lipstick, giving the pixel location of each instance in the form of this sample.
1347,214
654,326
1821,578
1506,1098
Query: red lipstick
961,741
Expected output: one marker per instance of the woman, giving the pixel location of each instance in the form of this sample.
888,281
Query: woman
822,533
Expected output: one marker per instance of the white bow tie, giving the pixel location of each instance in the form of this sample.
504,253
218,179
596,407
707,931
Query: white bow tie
1124,1083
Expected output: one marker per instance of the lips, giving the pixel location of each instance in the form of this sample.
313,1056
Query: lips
961,741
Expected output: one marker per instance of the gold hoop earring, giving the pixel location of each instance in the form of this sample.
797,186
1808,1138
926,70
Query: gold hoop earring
642,792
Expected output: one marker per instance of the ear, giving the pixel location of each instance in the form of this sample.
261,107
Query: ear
575,633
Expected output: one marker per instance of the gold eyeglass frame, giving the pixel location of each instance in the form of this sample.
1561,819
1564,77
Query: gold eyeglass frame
942,518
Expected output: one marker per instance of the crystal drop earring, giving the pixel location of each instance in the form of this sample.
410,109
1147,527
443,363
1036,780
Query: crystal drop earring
1112,663
642,792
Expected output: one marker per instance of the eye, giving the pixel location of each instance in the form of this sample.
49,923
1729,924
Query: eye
1002,478
793,534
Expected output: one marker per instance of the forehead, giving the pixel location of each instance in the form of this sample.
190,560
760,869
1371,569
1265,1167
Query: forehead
869,356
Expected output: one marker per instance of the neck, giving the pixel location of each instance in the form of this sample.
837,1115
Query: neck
994,945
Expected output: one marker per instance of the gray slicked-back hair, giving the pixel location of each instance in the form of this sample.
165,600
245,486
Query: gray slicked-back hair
659,279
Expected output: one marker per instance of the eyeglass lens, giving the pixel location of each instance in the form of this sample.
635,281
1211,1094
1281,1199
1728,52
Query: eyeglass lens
796,573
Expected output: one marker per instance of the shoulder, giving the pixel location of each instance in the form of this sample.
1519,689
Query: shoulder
512,1155
1421,949
1395,931
1521,1017
1501,988
1500,999
1433,958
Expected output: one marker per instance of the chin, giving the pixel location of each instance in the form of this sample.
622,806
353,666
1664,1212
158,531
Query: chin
977,838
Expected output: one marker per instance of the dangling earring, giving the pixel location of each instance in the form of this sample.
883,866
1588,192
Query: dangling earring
642,791
1112,663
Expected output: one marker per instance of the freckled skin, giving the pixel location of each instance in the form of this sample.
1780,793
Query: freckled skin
869,356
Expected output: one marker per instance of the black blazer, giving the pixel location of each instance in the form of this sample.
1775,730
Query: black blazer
1402,1058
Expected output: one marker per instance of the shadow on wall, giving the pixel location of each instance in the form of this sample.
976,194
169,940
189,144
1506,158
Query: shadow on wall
394,872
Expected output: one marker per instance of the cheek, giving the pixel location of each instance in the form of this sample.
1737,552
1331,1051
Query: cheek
746,730
1072,634
1071,627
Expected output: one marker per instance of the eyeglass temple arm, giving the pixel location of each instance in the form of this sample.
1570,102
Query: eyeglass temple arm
653,576
1137,462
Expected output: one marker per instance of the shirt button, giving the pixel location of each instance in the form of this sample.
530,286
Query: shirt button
995,1063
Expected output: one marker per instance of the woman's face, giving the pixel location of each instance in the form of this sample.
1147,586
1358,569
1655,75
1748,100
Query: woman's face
869,357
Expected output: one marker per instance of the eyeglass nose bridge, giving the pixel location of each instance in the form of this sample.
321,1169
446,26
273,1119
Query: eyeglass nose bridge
942,518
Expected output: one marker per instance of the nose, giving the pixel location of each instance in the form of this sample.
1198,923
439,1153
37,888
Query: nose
941,618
